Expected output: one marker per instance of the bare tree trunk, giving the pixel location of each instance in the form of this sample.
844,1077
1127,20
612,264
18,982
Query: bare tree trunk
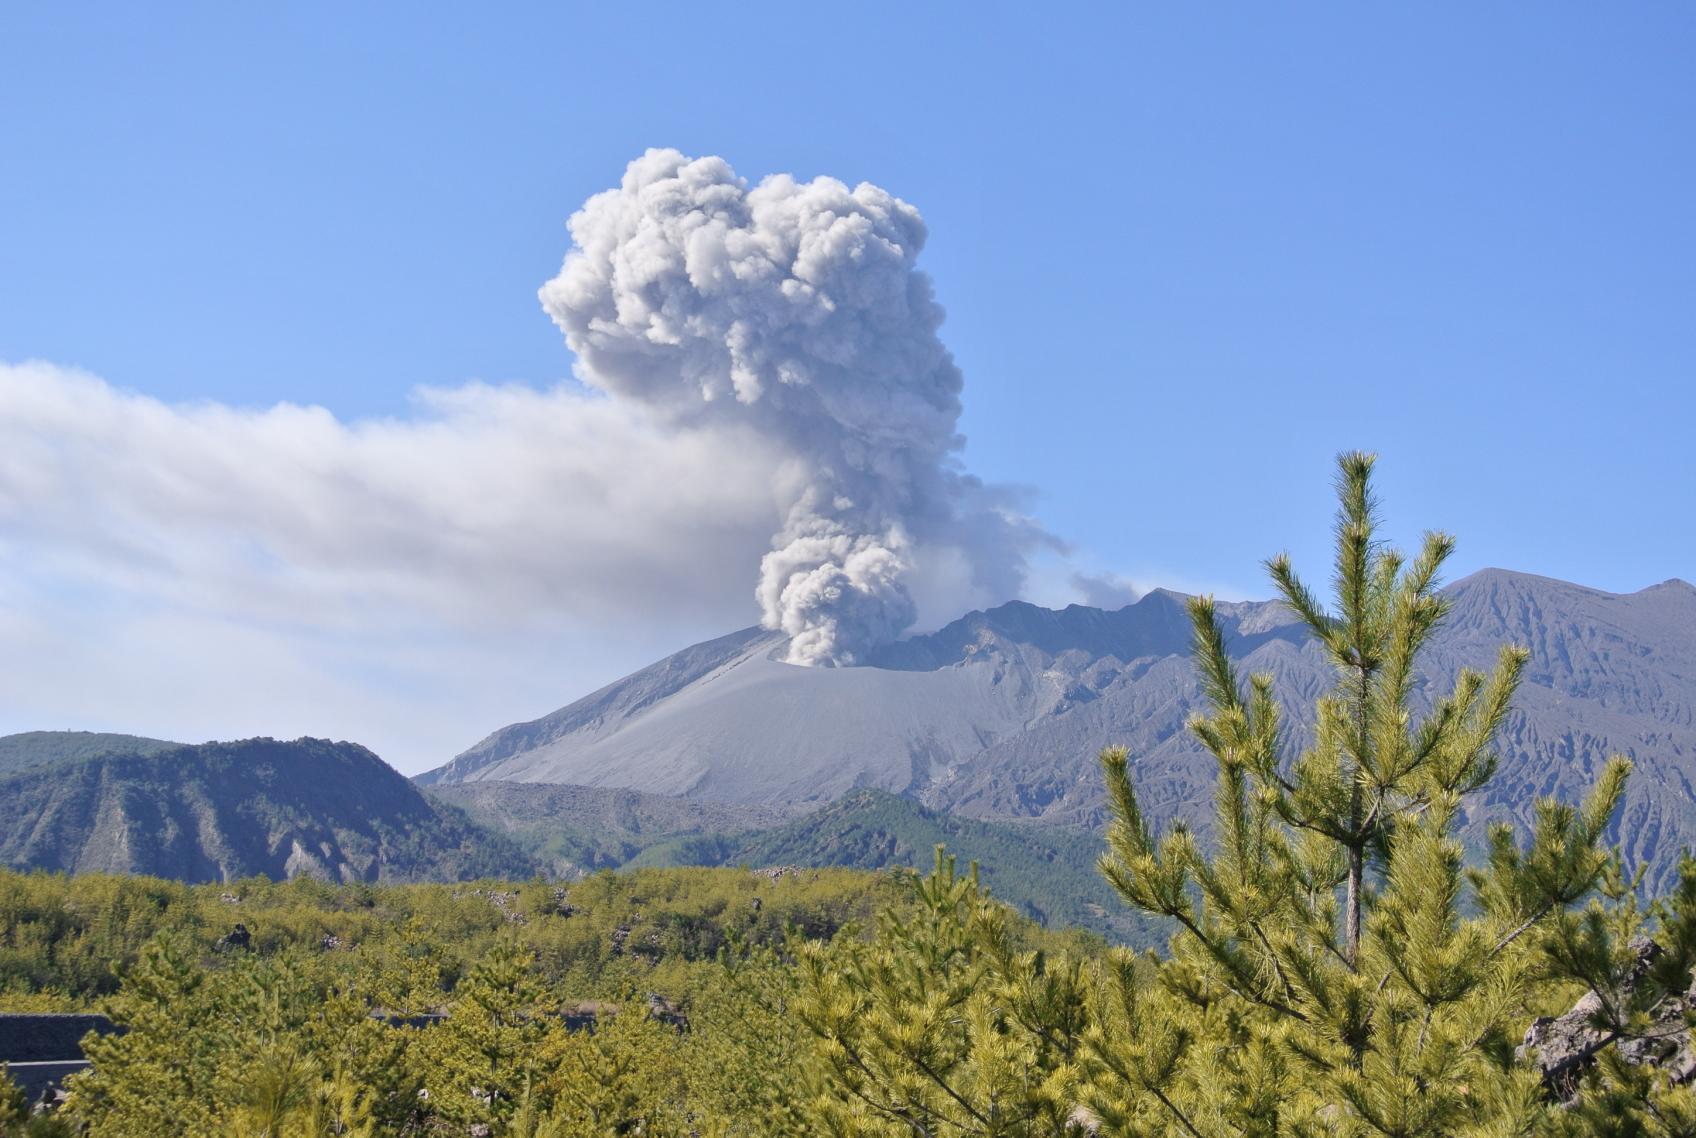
1351,900
1351,908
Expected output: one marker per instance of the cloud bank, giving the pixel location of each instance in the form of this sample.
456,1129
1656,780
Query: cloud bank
198,571
485,505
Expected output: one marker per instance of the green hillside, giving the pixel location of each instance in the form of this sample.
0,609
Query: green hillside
1046,873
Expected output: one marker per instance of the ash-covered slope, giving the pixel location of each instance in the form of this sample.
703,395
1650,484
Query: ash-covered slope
1002,713
220,811
728,721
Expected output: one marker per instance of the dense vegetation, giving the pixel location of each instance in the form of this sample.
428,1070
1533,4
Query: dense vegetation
1335,969
66,942
301,1026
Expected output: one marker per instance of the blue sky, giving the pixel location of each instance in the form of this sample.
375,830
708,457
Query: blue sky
1186,255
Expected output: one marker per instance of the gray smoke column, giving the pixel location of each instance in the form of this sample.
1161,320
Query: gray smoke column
796,308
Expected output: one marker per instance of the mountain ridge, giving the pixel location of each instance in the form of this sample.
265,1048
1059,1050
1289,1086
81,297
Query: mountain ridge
999,714
28,749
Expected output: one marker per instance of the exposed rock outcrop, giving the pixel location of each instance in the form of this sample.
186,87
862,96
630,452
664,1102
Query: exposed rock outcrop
1567,1046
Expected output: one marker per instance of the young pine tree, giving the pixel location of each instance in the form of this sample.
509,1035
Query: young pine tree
479,1065
1336,968
940,1026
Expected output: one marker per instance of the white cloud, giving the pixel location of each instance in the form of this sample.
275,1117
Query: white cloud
1104,590
210,569
200,570
488,504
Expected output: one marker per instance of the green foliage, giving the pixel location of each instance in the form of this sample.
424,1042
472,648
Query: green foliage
742,1063
14,1108
265,1045
65,942
939,1025
293,1037
1638,999
1337,968
484,1056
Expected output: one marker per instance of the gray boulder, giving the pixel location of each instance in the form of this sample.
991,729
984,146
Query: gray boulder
1566,1047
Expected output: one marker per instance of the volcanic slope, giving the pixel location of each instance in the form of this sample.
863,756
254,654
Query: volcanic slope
1001,713
728,721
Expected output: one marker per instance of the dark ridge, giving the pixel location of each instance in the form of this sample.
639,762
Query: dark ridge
38,748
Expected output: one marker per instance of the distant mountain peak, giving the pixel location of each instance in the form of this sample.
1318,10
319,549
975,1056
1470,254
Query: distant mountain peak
1494,575
1519,579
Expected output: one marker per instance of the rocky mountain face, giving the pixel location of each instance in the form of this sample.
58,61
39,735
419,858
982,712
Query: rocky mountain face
1000,714
221,811
727,721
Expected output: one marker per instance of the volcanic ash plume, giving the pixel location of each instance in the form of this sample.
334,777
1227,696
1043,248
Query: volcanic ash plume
794,308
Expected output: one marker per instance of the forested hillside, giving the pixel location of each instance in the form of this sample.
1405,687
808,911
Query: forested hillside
1047,873
38,748
572,830
221,811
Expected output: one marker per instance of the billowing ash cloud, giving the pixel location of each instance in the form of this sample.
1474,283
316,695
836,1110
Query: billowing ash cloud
797,309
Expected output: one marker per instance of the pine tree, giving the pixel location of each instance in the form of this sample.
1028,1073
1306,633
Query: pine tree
1638,999
161,1077
482,1060
14,1106
1336,968
740,1053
